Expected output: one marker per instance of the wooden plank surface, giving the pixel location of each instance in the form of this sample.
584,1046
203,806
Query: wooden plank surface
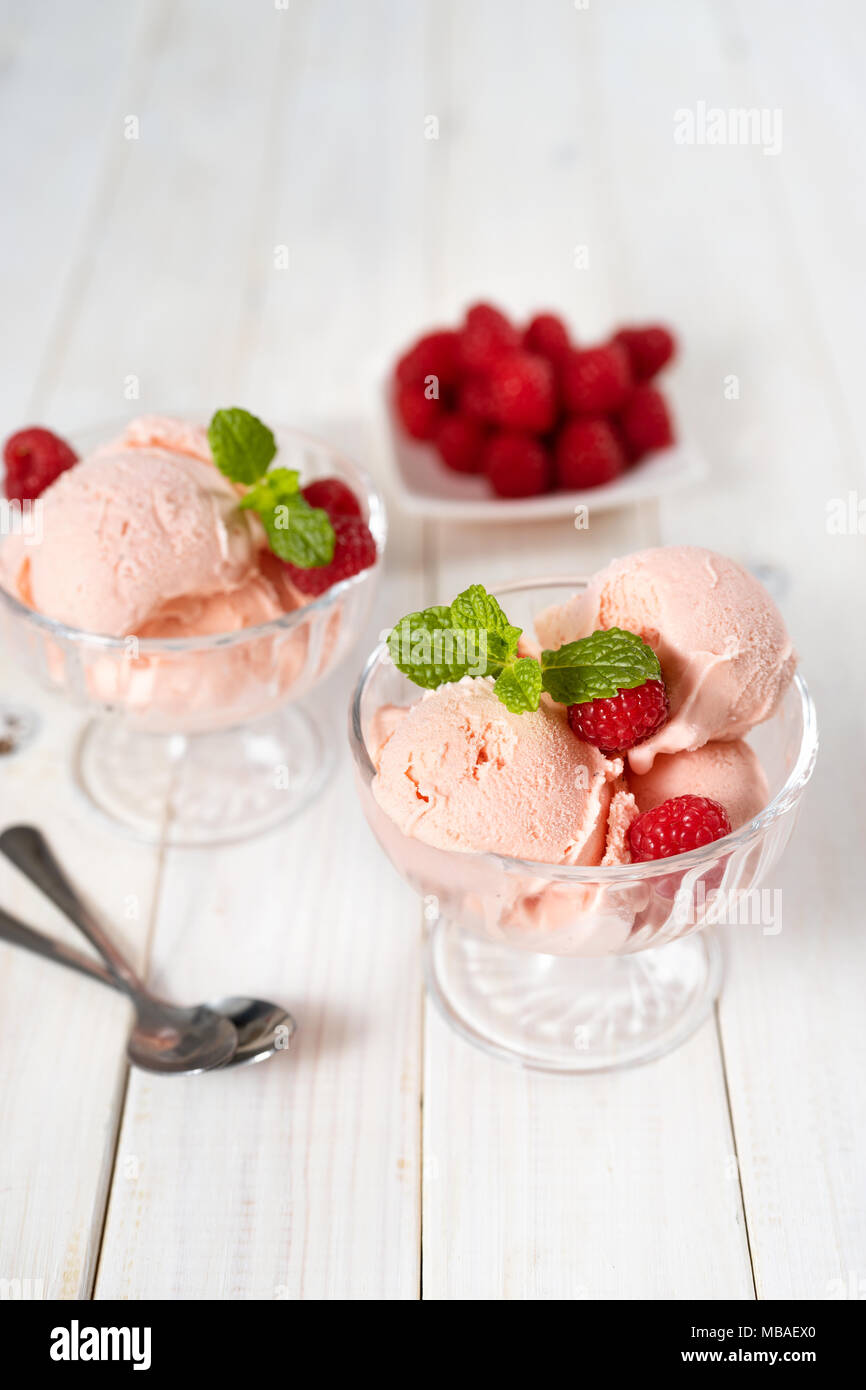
781,449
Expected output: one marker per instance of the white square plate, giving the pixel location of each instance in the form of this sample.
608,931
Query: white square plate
426,488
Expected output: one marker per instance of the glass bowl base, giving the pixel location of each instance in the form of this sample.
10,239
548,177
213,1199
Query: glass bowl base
571,1014
203,789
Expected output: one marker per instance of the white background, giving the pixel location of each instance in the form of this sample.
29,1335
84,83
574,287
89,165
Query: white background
732,1168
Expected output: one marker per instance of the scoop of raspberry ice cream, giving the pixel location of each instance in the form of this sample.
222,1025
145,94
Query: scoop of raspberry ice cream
725,655
461,772
124,533
727,772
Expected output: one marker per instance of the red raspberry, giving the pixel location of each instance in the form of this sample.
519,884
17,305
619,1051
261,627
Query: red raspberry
517,465
596,380
646,422
34,458
459,441
333,496
649,349
354,550
676,826
547,336
620,721
486,334
619,433
588,453
419,414
523,393
433,355
475,398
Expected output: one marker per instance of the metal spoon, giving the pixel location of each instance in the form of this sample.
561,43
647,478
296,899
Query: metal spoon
262,1028
165,1038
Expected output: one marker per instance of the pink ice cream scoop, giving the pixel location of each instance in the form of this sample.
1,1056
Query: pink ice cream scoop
727,772
725,655
162,432
264,595
125,533
458,771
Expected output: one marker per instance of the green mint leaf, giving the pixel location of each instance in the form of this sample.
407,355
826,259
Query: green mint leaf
301,534
476,610
519,685
469,637
241,445
279,485
432,650
598,666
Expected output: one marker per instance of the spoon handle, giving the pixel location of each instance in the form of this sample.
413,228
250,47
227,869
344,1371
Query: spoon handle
19,934
30,852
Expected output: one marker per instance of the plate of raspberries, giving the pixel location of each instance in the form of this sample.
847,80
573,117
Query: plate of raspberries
491,421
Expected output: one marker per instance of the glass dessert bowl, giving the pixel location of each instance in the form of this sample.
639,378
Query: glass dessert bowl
576,969
200,740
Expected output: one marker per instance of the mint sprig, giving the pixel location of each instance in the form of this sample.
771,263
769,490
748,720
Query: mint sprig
598,666
298,533
243,448
476,610
469,637
473,637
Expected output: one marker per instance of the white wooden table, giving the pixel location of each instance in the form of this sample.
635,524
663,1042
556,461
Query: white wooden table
732,1168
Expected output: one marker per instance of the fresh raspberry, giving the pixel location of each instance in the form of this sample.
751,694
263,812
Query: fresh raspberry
419,414
628,452
475,398
517,465
649,349
433,355
547,336
333,496
523,393
486,334
620,721
587,454
459,440
354,550
646,422
595,380
676,826
34,458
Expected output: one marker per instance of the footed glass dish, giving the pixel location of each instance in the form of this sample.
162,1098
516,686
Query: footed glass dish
202,740
580,969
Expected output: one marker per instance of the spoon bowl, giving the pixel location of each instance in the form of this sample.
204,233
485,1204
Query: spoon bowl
166,1038
262,1028
181,1041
